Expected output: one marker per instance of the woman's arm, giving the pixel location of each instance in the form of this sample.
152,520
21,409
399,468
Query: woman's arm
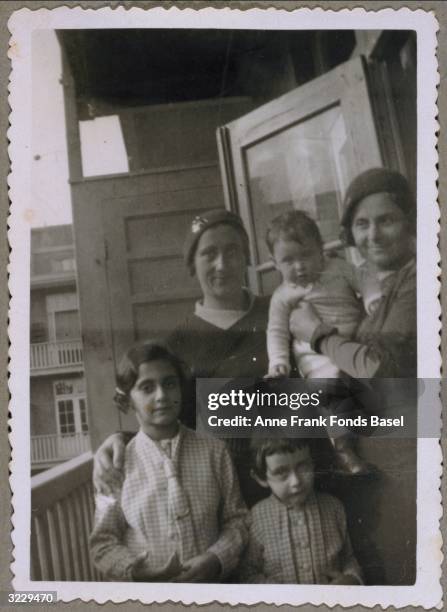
357,360
389,352
108,463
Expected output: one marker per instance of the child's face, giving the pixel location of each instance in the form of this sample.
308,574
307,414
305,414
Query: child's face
290,476
299,264
156,397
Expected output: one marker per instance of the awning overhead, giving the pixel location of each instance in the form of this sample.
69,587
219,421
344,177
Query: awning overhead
138,67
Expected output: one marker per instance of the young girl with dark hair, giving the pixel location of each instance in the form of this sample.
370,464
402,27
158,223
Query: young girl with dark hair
178,513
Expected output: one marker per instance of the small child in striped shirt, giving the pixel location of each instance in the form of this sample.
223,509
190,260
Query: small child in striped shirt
296,536
178,514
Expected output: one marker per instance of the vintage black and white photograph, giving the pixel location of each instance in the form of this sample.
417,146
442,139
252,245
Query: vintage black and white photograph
223,200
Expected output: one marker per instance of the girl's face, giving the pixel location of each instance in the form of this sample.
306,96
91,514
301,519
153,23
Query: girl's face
156,397
381,232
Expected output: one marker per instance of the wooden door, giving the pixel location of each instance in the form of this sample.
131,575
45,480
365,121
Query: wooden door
150,289
299,151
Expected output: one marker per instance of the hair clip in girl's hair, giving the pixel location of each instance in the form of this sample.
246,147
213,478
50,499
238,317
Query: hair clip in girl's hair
121,400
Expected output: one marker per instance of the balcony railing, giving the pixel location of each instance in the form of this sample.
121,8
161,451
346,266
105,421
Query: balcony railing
47,356
62,510
58,447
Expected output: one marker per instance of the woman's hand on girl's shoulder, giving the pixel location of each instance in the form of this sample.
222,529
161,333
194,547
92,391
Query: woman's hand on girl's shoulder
108,463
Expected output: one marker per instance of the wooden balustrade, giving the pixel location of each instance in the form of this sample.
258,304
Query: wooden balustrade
62,510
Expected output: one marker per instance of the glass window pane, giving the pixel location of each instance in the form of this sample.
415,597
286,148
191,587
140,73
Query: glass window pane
66,416
303,167
67,325
83,414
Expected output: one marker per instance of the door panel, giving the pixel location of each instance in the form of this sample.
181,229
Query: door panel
166,315
149,287
299,151
157,234
145,277
150,291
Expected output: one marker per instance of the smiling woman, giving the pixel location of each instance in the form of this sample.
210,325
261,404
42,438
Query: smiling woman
225,336
380,231
219,263
379,219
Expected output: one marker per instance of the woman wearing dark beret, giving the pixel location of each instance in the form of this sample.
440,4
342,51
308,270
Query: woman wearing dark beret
380,221
225,335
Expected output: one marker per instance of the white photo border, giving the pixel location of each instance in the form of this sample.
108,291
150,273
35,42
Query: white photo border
426,591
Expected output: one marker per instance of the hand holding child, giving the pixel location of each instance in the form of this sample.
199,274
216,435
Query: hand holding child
304,320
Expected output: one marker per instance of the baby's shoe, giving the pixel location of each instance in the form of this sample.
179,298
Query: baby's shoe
347,460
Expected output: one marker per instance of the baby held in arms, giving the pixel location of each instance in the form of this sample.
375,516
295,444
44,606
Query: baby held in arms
296,249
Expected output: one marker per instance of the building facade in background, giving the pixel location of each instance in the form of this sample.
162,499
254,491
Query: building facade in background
59,420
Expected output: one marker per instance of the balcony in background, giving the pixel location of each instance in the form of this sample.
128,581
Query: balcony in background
49,449
56,357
